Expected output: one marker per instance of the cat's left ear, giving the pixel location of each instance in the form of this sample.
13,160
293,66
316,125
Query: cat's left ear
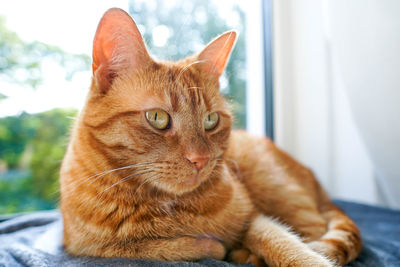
215,55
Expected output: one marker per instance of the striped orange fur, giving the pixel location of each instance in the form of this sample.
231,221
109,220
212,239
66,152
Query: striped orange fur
129,189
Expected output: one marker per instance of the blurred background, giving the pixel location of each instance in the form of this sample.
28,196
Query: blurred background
45,73
321,78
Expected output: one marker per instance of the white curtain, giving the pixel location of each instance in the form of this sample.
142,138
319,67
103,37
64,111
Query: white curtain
366,44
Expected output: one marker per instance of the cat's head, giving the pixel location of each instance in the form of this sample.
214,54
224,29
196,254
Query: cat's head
168,113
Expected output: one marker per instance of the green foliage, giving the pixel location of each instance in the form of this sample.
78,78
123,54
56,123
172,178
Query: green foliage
191,25
16,196
15,133
21,62
32,145
40,139
48,148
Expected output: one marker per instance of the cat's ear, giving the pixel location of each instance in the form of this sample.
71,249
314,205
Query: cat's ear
117,45
215,55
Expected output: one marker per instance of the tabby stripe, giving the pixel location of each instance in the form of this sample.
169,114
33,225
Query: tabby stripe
346,228
193,97
174,100
142,129
146,217
109,215
206,101
112,119
115,147
97,145
82,155
340,247
199,96
351,233
311,225
121,222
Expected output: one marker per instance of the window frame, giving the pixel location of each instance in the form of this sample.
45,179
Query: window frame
259,61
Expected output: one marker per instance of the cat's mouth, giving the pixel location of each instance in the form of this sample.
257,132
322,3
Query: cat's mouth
197,177
188,180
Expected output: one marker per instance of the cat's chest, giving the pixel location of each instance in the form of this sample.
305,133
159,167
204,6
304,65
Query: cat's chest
230,222
222,213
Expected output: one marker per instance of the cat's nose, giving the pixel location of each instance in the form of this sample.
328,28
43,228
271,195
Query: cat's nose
198,160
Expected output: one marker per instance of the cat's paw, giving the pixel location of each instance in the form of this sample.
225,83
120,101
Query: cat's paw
312,259
328,250
244,256
210,247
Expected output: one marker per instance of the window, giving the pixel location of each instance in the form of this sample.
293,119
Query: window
45,73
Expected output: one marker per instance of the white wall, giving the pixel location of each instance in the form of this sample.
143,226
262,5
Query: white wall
313,119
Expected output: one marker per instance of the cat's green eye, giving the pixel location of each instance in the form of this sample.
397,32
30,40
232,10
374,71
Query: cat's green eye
211,120
158,118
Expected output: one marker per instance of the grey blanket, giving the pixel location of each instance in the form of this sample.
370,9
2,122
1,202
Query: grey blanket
35,240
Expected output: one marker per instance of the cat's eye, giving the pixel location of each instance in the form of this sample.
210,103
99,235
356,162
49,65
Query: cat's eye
158,118
210,121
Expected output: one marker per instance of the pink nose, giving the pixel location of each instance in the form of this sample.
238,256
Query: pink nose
198,160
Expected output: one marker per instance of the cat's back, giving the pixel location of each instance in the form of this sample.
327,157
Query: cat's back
253,153
245,147
272,177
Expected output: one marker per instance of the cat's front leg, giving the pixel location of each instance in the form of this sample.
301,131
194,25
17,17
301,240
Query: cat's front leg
171,249
272,241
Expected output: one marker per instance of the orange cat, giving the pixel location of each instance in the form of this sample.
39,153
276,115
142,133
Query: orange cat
154,171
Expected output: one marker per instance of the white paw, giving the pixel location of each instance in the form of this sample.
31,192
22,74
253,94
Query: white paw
314,261
311,259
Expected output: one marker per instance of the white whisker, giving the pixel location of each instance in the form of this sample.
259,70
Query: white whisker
147,181
99,175
187,67
122,180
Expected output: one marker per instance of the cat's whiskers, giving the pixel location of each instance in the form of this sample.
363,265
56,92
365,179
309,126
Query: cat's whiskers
126,178
153,178
186,68
99,175
116,169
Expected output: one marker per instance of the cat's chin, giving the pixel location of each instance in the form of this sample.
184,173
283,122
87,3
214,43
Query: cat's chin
190,183
185,186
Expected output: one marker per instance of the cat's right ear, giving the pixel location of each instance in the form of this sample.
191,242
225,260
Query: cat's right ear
118,45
